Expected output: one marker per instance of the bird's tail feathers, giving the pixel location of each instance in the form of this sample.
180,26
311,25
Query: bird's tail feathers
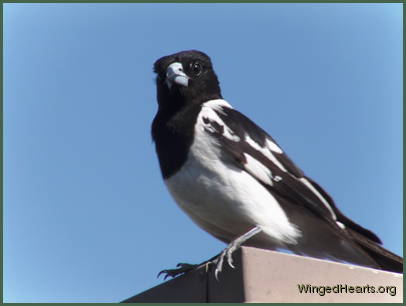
387,260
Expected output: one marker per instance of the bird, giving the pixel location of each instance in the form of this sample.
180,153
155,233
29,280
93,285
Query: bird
237,183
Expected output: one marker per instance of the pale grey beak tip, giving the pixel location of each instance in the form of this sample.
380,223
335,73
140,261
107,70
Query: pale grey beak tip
175,75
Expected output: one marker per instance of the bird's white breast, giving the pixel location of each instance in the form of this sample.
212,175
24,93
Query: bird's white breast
221,198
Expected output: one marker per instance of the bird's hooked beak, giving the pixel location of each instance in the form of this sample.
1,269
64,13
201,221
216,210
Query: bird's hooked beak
175,75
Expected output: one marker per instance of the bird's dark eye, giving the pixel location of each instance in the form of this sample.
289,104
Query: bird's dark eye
196,68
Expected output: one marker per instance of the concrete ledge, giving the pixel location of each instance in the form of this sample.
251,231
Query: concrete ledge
267,276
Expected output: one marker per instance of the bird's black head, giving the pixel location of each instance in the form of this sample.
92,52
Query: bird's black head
184,78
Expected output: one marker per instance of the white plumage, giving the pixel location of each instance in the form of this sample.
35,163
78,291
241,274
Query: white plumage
223,199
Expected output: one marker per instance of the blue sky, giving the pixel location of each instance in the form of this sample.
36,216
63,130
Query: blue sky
87,217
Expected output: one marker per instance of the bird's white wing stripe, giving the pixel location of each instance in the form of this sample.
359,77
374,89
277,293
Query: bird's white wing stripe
264,151
321,198
342,226
258,170
272,146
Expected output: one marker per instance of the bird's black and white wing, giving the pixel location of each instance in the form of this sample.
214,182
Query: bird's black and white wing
248,147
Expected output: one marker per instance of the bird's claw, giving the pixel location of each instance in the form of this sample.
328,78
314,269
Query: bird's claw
227,253
182,268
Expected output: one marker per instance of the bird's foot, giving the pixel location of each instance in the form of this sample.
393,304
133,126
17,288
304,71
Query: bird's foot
230,249
226,254
181,269
217,260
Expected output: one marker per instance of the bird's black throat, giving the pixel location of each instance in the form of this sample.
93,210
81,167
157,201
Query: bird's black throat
173,129
173,132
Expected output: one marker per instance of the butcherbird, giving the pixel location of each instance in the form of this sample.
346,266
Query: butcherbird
235,182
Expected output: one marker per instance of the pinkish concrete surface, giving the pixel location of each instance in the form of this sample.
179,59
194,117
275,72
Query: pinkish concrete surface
267,276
